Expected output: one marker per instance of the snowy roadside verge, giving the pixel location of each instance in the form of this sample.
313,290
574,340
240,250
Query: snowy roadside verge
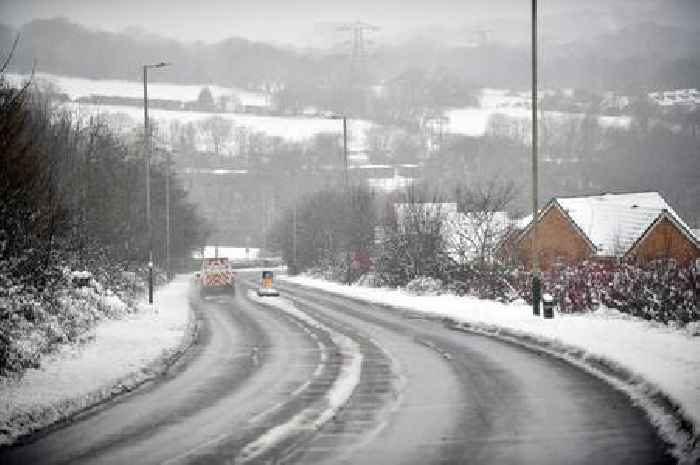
657,366
123,355
314,417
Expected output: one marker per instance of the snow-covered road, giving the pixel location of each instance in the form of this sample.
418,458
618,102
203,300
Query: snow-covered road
244,362
314,378
468,398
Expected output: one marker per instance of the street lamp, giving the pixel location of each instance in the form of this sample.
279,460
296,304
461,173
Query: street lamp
536,283
345,142
345,161
168,174
147,152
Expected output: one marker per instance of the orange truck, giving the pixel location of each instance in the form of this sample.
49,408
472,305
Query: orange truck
216,276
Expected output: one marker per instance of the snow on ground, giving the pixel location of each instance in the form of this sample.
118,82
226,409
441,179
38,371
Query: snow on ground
76,87
667,358
286,127
123,354
474,121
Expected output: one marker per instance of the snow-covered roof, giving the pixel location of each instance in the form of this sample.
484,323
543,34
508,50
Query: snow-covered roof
613,222
232,253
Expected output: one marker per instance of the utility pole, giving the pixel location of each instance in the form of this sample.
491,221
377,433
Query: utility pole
147,150
167,215
536,283
294,226
345,149
345,143
359,50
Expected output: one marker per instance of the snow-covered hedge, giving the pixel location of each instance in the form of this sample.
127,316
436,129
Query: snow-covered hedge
425,285
660,291
35,321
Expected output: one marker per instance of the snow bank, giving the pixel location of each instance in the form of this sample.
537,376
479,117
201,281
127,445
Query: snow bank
289,128
662,362
123,354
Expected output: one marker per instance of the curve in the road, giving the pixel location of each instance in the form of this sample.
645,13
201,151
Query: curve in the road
245,362
424,395
511,405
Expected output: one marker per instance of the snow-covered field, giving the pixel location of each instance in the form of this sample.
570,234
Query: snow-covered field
289,128
76,87
123,354
473,121
124,117
664,359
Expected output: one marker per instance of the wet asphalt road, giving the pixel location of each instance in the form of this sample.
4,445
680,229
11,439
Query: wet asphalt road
426,395
203,408
495,403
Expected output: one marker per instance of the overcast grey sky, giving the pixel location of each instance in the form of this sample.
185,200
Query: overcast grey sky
290,21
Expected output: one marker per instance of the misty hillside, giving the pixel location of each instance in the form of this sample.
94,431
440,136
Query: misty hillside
631,60
61,47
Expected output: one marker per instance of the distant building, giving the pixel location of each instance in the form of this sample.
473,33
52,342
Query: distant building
386,178
640,227
677,97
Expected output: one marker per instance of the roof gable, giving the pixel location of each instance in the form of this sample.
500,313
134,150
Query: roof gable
554,203
688,233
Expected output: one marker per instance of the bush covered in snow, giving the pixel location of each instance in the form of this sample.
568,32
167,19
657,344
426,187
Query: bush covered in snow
368,280
34,321
70,201
660,291
424,285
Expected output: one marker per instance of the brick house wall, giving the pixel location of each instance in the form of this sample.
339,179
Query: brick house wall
558,241
664,240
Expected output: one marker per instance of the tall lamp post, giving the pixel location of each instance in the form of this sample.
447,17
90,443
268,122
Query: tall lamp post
345,173
147,152
167,214
536,283
345,143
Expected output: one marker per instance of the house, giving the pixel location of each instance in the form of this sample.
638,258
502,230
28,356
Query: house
676,97
386,178
639,227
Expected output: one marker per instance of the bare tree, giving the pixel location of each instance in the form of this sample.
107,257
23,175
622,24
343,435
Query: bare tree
218,131
414,242
482,222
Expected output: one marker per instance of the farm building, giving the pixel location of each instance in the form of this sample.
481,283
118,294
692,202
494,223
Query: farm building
639,227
